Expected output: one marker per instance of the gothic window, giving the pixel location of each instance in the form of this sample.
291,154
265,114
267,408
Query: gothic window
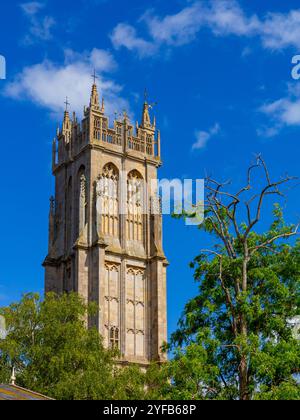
111,310
114,338
140,344
108,200
105,137
135,312
97,125
149,145
135,225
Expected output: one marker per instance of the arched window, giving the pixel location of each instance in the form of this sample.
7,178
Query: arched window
108,200
111,309
114,338
97,128
135,225
135,312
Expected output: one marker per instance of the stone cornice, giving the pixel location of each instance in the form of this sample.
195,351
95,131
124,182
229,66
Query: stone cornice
128,154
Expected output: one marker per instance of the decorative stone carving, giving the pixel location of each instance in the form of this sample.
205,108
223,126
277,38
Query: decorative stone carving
156,205
111,298
135,312
108,201
83,203
115,255
135,207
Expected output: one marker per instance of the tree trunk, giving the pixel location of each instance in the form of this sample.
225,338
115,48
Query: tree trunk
243,369
243,376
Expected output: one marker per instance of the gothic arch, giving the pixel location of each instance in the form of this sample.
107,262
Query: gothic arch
135,311
114,337
111,309
135,200
107,191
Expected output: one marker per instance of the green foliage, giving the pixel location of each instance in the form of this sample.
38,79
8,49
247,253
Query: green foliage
235,339
55,354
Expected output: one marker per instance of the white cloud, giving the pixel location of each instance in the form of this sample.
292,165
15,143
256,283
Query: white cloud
47,84
268,132
221,17
39,26
103,60
281,30
283,112
31,8
125,35
177,29
227,18
203,137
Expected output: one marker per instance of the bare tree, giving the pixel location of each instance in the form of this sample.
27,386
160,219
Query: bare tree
223,213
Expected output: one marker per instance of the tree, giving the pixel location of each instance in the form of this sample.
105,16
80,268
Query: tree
238,327
55,354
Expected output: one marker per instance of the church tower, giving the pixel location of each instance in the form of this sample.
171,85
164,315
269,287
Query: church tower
105,227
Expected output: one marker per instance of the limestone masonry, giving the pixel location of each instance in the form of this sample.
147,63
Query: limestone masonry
112,257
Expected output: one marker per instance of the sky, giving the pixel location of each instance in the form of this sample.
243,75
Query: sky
220,71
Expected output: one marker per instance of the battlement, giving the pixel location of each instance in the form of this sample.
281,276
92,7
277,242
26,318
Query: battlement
141,141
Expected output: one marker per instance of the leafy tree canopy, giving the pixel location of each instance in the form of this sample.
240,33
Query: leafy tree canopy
55,354
235,339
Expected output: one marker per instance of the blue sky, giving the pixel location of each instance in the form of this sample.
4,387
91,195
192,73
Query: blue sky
219,70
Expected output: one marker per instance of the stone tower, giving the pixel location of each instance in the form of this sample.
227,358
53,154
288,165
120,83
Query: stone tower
105,229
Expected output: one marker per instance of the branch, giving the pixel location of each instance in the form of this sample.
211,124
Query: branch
261,160
209,251
269,249
262,195
275,238
223,231
225,289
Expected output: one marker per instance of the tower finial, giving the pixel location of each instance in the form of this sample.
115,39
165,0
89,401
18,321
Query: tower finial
94,76
145,95
13,377
66,123
67,103
125,116
94,100
146,121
